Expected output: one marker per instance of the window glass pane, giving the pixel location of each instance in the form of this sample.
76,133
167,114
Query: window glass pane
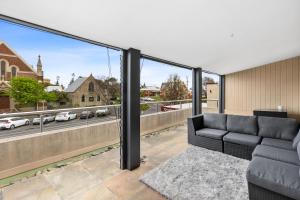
3,68
13,72
210,93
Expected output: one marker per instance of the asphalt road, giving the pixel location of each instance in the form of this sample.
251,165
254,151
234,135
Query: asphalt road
30,129
24,130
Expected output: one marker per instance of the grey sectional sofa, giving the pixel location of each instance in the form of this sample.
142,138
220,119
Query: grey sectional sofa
272,145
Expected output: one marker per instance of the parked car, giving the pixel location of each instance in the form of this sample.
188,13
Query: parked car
147,99
102,112
46,119
86,114
13,122
65,116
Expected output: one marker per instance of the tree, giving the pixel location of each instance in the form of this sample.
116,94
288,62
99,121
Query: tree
27,91
144,107
112,88
174,89
72,79
207,80
143,86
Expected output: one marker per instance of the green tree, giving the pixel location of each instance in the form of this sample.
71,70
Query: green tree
174,89
144,107
27,91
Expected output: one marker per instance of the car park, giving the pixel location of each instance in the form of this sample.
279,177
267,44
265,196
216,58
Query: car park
46,119
65,116
13,122
86,114
102,112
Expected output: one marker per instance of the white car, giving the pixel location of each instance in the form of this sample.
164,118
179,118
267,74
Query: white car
46,119
13,122
65,116
102,112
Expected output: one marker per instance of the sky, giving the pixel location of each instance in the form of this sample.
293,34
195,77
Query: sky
62,56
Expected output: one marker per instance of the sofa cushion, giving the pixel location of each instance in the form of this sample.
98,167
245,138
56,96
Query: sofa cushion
211,133
244,139
274,153
242,124
278,128
283,144
215,121
275,176
296,140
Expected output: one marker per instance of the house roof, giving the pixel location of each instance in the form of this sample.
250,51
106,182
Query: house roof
76,84
52,88
219,36
7,53
151,88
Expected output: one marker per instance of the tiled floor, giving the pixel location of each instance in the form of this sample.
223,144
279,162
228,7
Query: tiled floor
99,177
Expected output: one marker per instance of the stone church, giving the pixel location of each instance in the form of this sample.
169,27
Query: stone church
87,91
12,65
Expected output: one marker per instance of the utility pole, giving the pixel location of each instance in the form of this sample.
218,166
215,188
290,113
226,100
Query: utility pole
187,82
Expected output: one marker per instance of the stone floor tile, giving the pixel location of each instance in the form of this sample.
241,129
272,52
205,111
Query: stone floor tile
96,193
71,180
35,188
124,185
101,168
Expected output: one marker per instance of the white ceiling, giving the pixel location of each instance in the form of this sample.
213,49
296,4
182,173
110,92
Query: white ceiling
221,36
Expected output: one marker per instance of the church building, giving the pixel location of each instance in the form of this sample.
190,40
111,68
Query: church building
12,65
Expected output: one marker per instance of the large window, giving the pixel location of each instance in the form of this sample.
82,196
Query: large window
13,71
210,93
167,84
68,74
91,87
2,70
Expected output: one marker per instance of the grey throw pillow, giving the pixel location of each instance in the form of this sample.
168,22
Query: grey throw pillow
296,140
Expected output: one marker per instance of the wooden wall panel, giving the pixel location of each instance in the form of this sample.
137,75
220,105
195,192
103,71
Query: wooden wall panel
265,87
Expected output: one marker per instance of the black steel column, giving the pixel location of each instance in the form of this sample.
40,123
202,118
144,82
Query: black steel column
222,94
197,91
130,106
123,127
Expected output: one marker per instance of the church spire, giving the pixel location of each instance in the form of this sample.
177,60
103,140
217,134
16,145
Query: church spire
39,63
39,66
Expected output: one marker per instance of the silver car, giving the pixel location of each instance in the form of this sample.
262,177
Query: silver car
46,119
13,122
102,112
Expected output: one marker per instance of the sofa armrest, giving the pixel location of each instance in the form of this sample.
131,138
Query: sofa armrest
194,123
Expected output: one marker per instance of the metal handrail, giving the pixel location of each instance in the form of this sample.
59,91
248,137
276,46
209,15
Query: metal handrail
42,112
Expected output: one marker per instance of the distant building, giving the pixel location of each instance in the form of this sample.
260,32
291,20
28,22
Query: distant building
86,91
150,91
12,65
52,88
212,90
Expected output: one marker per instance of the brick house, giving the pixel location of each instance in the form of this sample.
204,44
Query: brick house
12,65
87,91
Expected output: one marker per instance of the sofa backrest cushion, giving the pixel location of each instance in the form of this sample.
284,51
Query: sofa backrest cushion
278,128
296,140
214,120
242,124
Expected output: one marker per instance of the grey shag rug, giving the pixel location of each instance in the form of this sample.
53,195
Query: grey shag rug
199,173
